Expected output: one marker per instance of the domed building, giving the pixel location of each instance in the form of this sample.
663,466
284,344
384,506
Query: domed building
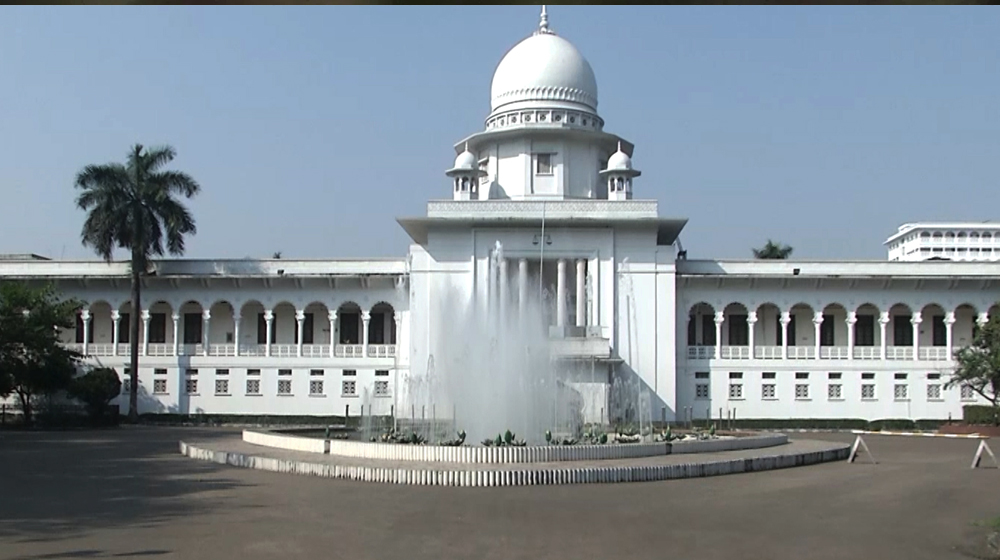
544,292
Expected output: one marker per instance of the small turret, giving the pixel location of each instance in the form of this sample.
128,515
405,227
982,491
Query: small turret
619,175
465,175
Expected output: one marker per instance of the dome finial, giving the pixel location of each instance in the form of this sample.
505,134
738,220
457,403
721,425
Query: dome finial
619,145
543,24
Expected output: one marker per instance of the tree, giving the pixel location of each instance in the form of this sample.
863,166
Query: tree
772,250
32,361
978,365
96,389
132,206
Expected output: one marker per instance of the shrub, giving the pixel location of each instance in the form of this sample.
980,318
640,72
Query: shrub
980,414
95,390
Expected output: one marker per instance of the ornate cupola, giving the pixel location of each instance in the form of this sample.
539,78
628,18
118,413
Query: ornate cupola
619,175
466,174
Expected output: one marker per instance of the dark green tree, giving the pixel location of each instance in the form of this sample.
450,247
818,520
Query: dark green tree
978,365
772,250
95,390
134,206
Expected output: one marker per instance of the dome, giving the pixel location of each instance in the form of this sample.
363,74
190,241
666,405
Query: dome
619,160
547,68
466,160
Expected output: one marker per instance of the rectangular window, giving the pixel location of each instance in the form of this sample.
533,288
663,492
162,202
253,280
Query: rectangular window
933,376
191,371
381,373
158,328
801,391
543,164
900,376
867,392
692,331
160,371
222,372
967,393
192,328
315,372
768,375
864,331
381,388
253,372
349,331
707,331
348,372
833,375
376,329
802,375
191,386
348,388
253,386
159,386
934,392
834,391
867,376
284,372
735,390
735,375
284,386
739,331
316,387
701,391
221,386
899,392
124,330
939,334
826,329
767,391
902,330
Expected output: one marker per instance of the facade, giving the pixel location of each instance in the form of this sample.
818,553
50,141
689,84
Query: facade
543,208
969,241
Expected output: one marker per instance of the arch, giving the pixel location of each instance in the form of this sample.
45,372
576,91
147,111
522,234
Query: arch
316,324
833,329
382,324
349,323
899,331
932,329
253,327
284,326
221,325
702,307
701,325
900,309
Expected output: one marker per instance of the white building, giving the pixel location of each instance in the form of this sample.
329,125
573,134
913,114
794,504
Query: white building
546,182
969,241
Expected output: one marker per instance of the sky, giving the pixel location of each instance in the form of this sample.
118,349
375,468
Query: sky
311,128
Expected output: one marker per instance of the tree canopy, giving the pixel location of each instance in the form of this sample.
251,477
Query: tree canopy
773,250
134,206
978,365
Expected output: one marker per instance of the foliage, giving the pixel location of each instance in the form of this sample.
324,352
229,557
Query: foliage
978,365
772,250
593,436
398,436
978,414
457,442
95,390
133,206
32,361
506,439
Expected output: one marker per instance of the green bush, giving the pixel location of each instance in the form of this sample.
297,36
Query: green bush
95,389
979,414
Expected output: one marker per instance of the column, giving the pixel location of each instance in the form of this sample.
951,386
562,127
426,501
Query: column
85,319
177,331
504,293
561,294
397,317
522,288
751,322
144,315
115,335
949,323
786,318
719,319
269,323
206,323
581,292
366,316
237,319
300,317
817,329
915,320
883,320
332,316
852,318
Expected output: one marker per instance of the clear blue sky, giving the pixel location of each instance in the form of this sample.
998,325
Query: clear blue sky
311,128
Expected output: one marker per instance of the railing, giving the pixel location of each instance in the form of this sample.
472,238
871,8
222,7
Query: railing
899,352
701,352
935,353
381,350
349,351
735,352
253,350
221,349
767,352
162,350
801,352
284,350
123,348
867,353
833,352
100,349
190,350
315,350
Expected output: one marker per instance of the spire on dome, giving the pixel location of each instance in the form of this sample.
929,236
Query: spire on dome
543,24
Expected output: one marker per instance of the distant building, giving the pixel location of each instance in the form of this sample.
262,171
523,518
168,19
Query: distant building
952,241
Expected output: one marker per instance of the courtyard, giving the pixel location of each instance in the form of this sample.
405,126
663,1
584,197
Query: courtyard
127,493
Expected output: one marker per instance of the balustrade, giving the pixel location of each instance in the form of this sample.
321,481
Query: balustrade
932,353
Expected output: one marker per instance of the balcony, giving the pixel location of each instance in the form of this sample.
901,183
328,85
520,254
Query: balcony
161,350
931,353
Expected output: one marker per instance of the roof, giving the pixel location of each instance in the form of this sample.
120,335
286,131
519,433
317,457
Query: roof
754,268
917,226
179,268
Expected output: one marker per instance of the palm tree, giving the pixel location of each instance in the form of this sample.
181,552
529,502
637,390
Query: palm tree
772,250
133,207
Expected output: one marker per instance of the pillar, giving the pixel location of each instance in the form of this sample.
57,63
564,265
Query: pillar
332,316
85,319
366,316
522,287
115,335
883,320
269,321
581,292
177,330
817,328
397,317
237,319
786,318
206,323
561,293
300,317
144,315
504,293
751,321
915,320
852,318
949,324
720,317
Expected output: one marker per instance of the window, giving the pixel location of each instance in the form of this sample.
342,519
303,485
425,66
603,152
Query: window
768,375
124,332
739,331
222,372
899,392
833,375
381,373
349,331
221,386
902,330
159,386
192,328
253,372
801,391
934,392
900,376
701,375
376,329
736,391
826,331
284,386
735,375
349,372
692,330
348,388
191,386
543,164
158,328
381,388
967,393
939,334
867,376
191,371
834,391
801,375
864,330
867,391
316,387
315,372
284,372
253,386
707,331
160,371
126,386
767,391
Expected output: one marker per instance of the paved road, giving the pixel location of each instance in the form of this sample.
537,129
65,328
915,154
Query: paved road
127,494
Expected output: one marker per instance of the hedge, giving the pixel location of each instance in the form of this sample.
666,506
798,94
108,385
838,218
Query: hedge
980,414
